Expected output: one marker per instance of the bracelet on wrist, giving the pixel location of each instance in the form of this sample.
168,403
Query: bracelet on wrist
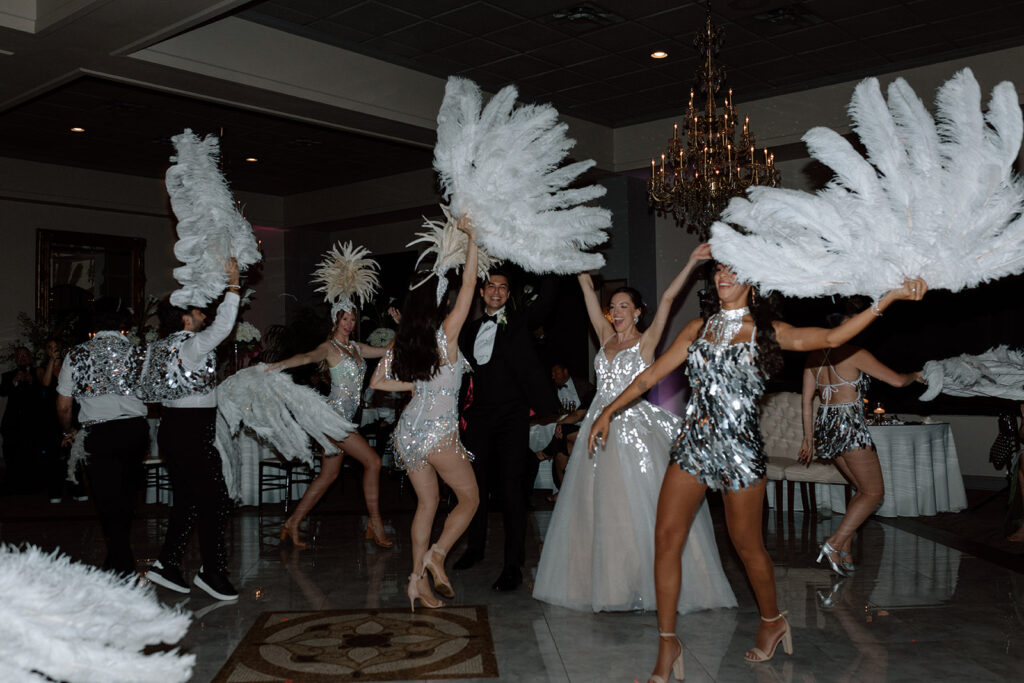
876,310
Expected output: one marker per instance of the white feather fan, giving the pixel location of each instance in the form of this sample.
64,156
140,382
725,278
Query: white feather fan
279,412
936,199
210,228
501,167
446,244
998,373
345,274
65,621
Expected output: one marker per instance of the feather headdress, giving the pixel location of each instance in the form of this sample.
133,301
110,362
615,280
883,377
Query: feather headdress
210,228
446,244
998,373
932,198
279,412
344,274
500,166
65,621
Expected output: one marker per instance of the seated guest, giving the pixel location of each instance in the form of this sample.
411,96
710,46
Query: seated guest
575,395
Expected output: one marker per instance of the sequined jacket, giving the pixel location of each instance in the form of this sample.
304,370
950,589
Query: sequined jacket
107,364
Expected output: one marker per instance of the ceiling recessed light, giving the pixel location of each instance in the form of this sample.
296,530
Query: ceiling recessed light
251,160
76,129
659,54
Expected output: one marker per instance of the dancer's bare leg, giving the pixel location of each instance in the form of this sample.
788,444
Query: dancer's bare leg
357,446
743,510
330,466
862,468
457,473
681,495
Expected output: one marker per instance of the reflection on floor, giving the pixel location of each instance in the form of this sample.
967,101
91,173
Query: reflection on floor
916,609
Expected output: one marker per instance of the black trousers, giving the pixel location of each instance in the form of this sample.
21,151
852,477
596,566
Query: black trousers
186,441
499,439
116,450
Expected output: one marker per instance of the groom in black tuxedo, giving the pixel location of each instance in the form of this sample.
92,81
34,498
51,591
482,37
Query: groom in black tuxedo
507,381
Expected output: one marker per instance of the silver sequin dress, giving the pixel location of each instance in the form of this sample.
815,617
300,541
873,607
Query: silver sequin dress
347,383
720,441
598,552
431,420
839,427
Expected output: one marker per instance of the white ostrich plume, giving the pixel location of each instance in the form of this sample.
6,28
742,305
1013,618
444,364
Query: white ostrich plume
65,621
500,166
278,412
344,274
998,373
210,228
932,198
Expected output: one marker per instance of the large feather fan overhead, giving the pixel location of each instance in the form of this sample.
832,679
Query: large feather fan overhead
65,621
344,274
210,228
999,373
932,198
500,166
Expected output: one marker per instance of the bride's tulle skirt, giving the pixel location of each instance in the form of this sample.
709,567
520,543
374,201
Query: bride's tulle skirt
599,550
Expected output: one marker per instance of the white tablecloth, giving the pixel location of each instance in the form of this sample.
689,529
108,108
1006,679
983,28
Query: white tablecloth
920,470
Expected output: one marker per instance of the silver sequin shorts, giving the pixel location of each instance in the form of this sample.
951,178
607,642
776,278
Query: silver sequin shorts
840,428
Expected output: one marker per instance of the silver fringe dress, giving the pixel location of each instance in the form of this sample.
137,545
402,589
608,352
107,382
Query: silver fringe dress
840,427
720,443
347,381
431,420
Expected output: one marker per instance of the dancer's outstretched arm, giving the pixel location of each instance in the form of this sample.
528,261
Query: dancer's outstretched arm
812,338
869,365
602,328
673,357
456,318
652,335
298,360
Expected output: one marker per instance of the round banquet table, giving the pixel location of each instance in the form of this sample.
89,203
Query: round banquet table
920,470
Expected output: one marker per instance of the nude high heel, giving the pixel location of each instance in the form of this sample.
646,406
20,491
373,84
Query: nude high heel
293,534
413,591
786,639
380,538
442,586
677,664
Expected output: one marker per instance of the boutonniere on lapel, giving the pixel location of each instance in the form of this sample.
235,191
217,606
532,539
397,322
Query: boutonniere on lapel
502,320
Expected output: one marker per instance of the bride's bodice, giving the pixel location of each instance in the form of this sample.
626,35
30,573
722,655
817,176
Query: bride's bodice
616,374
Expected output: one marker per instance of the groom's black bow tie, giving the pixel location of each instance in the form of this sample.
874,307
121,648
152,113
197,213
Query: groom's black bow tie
489,318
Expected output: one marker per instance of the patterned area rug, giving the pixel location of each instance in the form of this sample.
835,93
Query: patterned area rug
364,645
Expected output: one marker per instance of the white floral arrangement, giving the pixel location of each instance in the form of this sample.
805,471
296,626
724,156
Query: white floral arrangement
381,337
152,334
132,337
246,333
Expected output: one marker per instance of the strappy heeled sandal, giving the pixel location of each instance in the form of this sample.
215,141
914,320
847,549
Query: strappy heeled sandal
441,585
677,664
786,639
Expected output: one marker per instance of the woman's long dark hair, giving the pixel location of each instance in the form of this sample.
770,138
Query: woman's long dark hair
763,309
415,353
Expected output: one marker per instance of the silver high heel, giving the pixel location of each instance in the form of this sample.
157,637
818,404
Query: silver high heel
826,553
677,663
848,566
786,640
830,599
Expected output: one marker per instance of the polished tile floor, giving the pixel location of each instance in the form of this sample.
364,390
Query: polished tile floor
916,610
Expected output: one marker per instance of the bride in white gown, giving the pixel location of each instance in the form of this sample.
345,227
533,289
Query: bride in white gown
599,550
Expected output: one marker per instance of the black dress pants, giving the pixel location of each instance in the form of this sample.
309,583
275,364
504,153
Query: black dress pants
499,439
116,450
186,441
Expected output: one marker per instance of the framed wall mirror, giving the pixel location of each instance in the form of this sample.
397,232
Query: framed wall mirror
74,269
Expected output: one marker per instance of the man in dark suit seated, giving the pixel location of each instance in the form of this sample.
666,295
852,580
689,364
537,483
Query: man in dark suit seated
575,395
507,383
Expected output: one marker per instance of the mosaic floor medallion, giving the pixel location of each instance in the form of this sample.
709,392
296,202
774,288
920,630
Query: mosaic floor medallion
364,645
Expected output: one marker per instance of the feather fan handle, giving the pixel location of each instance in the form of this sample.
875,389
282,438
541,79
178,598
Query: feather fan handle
500,165
346,274
210,227
932,197
65,621
998,373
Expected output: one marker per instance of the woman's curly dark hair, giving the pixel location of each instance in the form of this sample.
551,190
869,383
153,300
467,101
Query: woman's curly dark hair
415,352
764,311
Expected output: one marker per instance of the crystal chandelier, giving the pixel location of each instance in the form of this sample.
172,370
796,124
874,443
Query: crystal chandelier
694,182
